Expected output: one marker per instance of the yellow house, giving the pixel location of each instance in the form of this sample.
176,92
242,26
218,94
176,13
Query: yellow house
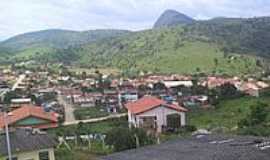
27,144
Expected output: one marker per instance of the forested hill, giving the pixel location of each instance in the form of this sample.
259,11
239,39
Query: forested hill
246,36
56,38
164,50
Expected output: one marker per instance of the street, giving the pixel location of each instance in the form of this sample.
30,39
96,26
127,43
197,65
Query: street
69,116
95,119
19,80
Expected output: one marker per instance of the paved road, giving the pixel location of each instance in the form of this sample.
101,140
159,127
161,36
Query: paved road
69,115
19,80
95,119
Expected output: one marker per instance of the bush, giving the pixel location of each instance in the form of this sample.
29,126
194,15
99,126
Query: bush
120,139
228,91
256,122
125,138
186,129
257,116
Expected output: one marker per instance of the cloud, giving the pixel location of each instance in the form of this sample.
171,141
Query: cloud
19,16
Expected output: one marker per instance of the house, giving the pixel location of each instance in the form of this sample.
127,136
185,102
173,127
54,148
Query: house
112,104
84,101
18,102
170,84
213,82
27,144
111,100
128,96
152,113
30,116
255,89
201,147
46,91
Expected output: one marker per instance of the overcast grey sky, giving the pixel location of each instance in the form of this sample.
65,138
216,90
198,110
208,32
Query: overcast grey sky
20,16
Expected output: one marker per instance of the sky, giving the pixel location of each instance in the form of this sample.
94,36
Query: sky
20,16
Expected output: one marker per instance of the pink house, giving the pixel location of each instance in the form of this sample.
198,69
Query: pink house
152,113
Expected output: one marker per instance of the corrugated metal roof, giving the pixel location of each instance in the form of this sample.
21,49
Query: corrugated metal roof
23,140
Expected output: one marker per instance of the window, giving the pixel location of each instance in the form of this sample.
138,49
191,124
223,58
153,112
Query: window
44,155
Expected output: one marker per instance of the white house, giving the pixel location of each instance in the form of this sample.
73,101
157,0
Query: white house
18,102
170,84
152,113
127,96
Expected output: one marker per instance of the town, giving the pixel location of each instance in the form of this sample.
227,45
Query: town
83,114
134,80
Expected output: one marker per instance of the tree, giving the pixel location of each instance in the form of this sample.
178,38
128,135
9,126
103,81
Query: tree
198,69
84,75
216,62
143,89
227,91
99,78
159,86
10,95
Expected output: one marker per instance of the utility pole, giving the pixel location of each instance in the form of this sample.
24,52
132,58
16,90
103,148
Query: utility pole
7,136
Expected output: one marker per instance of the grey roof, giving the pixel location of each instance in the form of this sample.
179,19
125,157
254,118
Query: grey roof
25,140
214,147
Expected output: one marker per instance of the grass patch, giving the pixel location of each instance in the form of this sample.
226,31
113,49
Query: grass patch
76,154
98,127
88,113
226,114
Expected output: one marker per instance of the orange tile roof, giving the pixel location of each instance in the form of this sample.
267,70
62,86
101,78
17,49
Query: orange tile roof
148,102
27,111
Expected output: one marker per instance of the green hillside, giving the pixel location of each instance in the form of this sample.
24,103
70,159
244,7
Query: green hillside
166,50
55,38
246,36
222,46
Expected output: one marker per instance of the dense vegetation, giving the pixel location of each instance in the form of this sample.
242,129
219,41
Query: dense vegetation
48,43
246,36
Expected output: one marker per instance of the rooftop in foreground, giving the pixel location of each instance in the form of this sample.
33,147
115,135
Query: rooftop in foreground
209,147
25,140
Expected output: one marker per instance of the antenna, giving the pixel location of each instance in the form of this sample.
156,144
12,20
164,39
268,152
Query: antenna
7,136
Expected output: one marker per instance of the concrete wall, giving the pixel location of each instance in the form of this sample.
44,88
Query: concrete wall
34,155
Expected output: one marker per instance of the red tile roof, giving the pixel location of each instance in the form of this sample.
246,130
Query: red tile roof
148,102
31,111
